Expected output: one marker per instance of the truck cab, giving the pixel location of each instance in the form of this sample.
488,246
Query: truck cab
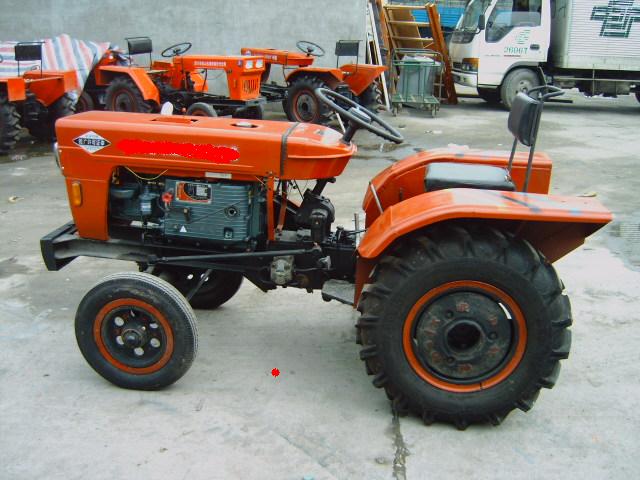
499,36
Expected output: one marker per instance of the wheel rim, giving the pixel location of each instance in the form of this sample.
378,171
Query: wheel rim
133,336
197,112
464,336
305,106
123,101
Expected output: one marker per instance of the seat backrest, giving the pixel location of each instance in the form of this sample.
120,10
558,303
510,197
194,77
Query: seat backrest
347,48
30,51
523,118
139,45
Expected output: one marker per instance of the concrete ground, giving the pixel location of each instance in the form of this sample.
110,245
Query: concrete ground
322,418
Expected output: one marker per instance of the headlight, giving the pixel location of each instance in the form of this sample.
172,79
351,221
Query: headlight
259,63
470,64
248,64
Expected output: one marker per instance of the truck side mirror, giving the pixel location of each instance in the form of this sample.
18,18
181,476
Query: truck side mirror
481,23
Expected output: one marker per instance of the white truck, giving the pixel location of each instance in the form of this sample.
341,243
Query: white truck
502,47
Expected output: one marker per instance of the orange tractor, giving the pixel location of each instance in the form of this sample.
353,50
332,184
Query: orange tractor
463,317
33,99
300,103
119,85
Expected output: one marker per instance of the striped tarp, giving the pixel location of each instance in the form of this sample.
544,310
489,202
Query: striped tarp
59,53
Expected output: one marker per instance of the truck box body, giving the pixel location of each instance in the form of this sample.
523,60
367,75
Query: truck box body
595,34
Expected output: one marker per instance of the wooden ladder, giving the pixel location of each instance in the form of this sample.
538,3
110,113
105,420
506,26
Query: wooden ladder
401,30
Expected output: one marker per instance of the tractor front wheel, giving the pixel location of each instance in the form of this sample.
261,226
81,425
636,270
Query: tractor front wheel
302,105
218,287
9,125
463,324
137,331
85,103
201,109
122,95
44,129
371,98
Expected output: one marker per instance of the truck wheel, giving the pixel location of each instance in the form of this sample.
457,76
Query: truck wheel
137,331
519,80
371,98
302,105
638,96
201,109
216,290
122,95
250,113
85,103
462,325
489,95
45,130
9,125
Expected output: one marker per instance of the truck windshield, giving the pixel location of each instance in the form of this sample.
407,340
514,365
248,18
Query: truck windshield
468,25
509,14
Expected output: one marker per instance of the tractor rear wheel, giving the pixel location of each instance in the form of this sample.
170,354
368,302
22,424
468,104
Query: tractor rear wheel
44,130
217,289
9,125
123,95
302,105
201,109
463,324
371,98
489,95
137,331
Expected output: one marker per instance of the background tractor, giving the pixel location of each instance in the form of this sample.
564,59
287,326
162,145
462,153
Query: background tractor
300,103
463,317
119,85
33,99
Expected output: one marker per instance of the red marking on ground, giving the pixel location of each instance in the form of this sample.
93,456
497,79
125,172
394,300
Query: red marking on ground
202,151
275,372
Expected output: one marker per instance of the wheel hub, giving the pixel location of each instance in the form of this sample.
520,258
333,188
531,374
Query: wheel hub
464,336
134,336
306,106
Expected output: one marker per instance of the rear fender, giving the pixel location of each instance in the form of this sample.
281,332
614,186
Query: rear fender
553,224
359,76
405,179
14,88
330,76
105,74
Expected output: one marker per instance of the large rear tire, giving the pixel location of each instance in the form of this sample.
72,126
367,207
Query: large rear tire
302,105
122,95
217,289
45,129
518,80
9,125
137,331
464,324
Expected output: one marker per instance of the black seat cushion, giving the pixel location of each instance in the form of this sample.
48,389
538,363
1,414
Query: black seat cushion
463,175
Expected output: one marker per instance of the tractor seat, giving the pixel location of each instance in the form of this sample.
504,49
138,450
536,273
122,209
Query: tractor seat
523,123
439,176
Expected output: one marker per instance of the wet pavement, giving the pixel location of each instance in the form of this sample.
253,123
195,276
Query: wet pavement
321,418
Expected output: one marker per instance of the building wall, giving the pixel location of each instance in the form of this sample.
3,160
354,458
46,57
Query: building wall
213,26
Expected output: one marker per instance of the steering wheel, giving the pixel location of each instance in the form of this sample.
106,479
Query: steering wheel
175,50
358,116
310,48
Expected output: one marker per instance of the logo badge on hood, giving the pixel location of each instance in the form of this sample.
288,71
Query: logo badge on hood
91,142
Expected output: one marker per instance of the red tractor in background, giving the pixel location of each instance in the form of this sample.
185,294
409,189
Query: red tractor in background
300,103
463,317
119,85
34,99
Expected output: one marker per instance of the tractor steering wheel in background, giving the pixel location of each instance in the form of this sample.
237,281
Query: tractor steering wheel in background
310,48
358,116
175,50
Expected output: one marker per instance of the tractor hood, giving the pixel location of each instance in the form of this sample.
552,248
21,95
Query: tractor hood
200,146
